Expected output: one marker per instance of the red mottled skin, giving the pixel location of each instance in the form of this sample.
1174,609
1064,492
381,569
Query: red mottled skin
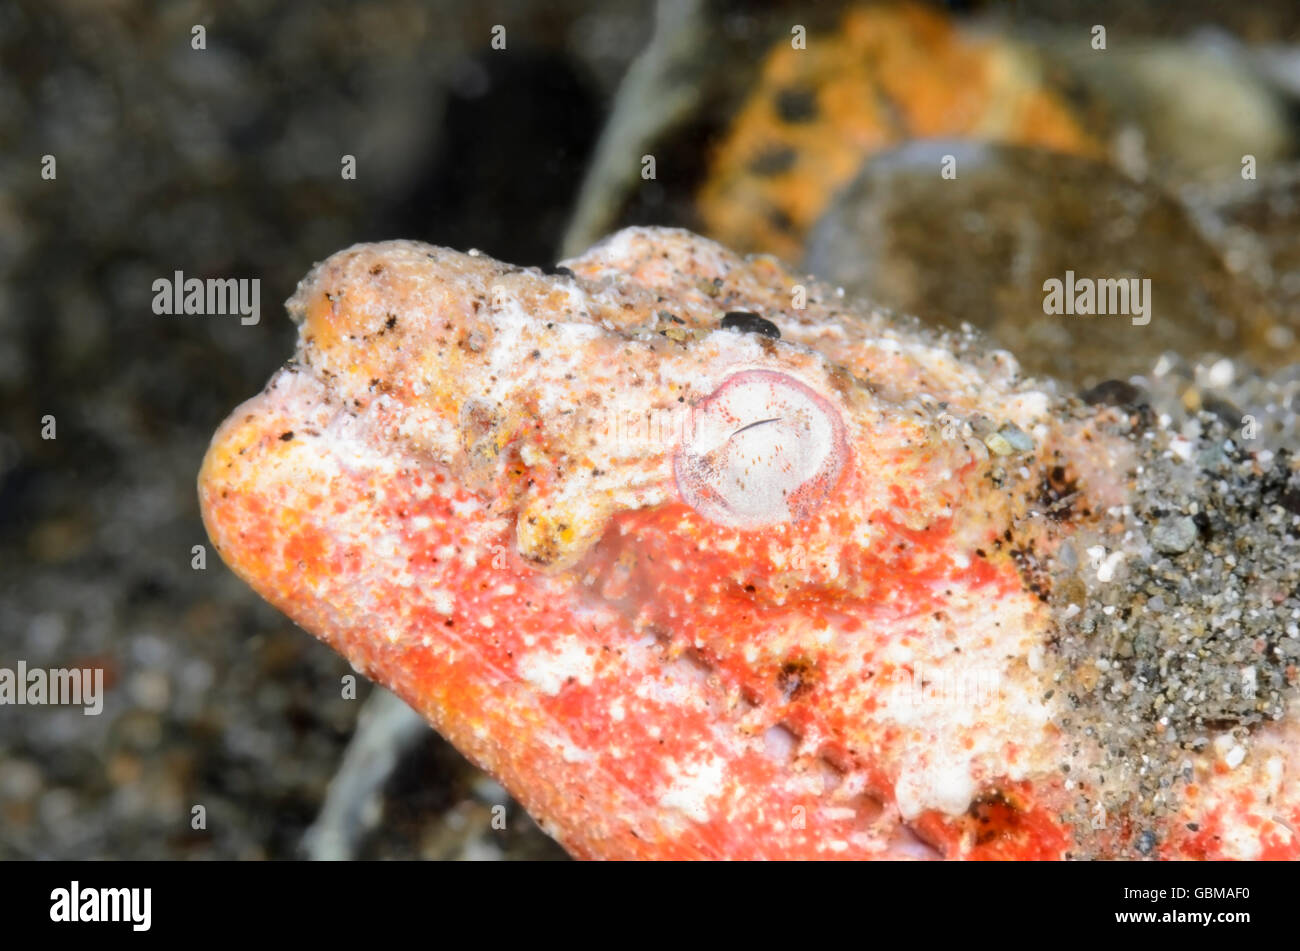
448,485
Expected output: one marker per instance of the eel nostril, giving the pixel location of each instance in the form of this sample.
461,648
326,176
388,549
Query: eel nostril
763,449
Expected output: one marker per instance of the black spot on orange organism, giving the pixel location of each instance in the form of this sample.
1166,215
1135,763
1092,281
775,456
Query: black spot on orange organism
779,219
796,678
1033,574
286,435
391,322
775,160
796,104
1057,492
750,323
376,270
994,816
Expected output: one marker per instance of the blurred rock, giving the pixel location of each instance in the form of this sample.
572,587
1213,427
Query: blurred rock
1179,111
979,247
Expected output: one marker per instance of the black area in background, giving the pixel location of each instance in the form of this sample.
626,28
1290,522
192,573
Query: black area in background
514,145
901,901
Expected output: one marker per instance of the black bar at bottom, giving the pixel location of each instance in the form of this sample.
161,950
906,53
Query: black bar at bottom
435,902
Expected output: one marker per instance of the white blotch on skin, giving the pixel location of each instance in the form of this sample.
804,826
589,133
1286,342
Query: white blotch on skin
550,669
443,601
693,786
946,787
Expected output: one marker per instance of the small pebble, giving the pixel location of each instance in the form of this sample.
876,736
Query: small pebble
998,444
1018,439
1145,842
1173,536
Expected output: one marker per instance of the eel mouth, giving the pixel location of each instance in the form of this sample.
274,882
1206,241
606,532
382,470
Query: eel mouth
763,449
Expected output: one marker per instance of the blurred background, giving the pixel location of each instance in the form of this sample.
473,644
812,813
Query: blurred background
1164,146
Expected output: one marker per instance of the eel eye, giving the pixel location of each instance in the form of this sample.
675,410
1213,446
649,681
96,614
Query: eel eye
762,449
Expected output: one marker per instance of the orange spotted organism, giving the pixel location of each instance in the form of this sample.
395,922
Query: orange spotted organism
890,73
815,583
